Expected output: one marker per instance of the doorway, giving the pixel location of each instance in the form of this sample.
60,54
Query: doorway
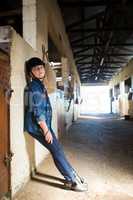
96,100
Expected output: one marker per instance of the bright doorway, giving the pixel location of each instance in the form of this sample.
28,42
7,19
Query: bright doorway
95,99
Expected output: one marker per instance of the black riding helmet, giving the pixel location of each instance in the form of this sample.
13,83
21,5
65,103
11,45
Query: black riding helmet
32,62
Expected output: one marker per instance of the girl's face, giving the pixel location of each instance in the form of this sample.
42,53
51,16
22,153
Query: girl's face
38,71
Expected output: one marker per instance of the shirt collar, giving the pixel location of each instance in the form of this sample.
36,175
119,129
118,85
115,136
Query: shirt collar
38,81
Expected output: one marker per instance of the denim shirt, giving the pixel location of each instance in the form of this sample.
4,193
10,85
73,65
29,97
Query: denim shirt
37,106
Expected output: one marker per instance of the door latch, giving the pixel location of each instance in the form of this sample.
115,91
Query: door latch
8,92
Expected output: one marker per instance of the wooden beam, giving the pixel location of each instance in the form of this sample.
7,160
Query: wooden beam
10,13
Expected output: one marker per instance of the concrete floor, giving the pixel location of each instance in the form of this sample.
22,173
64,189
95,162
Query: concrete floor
100,148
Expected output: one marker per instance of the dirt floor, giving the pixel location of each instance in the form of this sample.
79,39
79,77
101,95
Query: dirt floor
100,148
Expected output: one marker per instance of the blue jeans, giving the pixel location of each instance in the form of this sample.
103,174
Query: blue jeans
58,155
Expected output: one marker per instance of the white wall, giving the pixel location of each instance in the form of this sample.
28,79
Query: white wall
20,167
28,153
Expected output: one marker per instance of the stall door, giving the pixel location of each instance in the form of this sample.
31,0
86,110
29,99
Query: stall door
5,155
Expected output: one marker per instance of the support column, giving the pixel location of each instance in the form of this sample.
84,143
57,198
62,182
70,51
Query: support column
65,75
29,22
65,79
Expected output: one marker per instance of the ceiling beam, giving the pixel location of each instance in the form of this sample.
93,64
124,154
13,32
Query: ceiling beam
84,3
82,59
79,22
101,45
111,62
82,39
108,54
116,59
103,75
89,70
78,30
82,50
106,70
112,68
10,13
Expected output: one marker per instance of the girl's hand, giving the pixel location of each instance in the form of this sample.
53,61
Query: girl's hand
49,137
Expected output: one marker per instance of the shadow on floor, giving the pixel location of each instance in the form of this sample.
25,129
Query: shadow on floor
49,177
40,177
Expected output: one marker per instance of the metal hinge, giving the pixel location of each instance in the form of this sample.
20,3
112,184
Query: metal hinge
8,158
